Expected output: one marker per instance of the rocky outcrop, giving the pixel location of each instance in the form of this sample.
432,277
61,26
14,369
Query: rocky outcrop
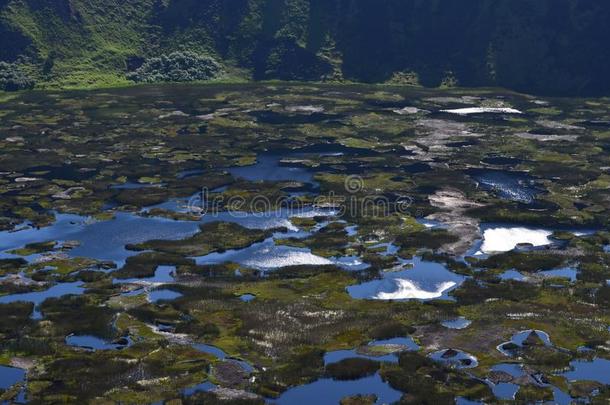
453,205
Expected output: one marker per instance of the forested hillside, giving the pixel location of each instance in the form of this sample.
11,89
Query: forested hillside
536,46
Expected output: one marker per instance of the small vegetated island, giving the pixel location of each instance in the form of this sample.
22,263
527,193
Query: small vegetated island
230,214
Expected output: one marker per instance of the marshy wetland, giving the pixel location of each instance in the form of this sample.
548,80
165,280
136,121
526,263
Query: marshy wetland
288,243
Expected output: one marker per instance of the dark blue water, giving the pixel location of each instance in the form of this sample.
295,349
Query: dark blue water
465,401
513,186
560,397
584,370
329,392
507,391
10,376
163,295
209,349
203,387
38,297
189,173
134,186
268,168
515,370
221,355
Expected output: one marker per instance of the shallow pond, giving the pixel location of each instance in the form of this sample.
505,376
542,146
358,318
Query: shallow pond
457,323
94,343
399,344
407,342
134,186
569,273
424,281
209,349
338,355
221,355
203,387
385,249
163,275
507,185
37,297
268,167
163,295
465,401
329,149
327,391
10,376
512,275
454,358
266,256
520,338
106,240
247,297
102,240
507,390
503,238
279,218
276,166
566,272
595,370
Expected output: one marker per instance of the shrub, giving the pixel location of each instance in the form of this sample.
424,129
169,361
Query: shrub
411,362
524,261
472,292
432,239
391,329
602,297
176,67
352,369
421,389
14,317
12,78
359,400
549,357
